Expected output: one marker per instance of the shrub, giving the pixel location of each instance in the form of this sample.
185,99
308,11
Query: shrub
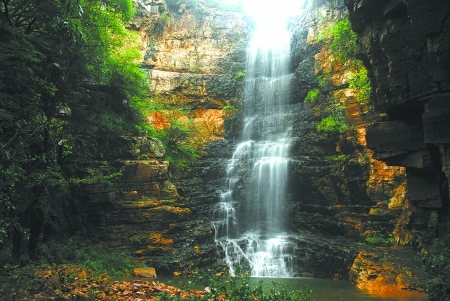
343,40
95,257
312,95
360,81
338,158
240,288
331,124
438,263
239,75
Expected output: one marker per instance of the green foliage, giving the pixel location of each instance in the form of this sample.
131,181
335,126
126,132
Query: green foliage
360,81
324,82
239,75
240,288
95,257
380,241
100,179
139,239
56,53
124,7
178,136
312,95
229,108
376,238
161,22
330,124
438,263
338,158
343,39
181,157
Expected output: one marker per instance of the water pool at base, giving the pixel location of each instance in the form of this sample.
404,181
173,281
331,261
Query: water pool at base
323,290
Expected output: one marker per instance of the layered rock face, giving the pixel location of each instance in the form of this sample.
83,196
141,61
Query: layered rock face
341,187
406,47
341,191
191,55
131,203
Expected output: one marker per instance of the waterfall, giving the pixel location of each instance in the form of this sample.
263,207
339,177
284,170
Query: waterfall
250,218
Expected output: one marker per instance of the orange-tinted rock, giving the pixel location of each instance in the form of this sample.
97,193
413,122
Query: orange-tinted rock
157,238
145,272
389,272
212,120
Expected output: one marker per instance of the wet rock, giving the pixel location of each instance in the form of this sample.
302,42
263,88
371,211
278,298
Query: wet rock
389,271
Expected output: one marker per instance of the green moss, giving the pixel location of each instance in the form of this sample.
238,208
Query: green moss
324,82
161,22
139,239
341,41
178,137
239,75
229,108
378,239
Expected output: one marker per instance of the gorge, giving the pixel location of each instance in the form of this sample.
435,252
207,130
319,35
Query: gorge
322,145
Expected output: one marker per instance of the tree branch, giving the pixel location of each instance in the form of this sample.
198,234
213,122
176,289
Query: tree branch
5,4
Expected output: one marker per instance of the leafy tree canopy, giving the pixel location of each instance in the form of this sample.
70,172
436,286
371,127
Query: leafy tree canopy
53,52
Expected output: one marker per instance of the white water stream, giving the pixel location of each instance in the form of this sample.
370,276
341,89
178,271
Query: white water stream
250,219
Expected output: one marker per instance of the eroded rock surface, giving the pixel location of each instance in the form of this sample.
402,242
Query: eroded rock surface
382,178
191,54
406,46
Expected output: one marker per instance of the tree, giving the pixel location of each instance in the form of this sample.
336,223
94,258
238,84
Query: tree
52,51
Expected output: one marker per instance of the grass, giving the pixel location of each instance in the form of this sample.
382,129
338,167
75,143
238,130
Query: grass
95,257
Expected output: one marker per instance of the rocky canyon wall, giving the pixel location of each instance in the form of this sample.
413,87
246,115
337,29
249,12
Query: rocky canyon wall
351,182
191,54
405,45
361,199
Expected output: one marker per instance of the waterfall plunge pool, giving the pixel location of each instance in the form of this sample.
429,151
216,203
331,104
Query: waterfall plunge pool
323,289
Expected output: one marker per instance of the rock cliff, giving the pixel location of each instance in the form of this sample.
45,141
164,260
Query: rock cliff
361,197
373,180
405,45
135,201
192,54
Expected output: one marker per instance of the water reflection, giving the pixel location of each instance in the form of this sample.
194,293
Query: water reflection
323,290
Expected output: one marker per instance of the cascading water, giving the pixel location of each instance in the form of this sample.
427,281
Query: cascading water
250,218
